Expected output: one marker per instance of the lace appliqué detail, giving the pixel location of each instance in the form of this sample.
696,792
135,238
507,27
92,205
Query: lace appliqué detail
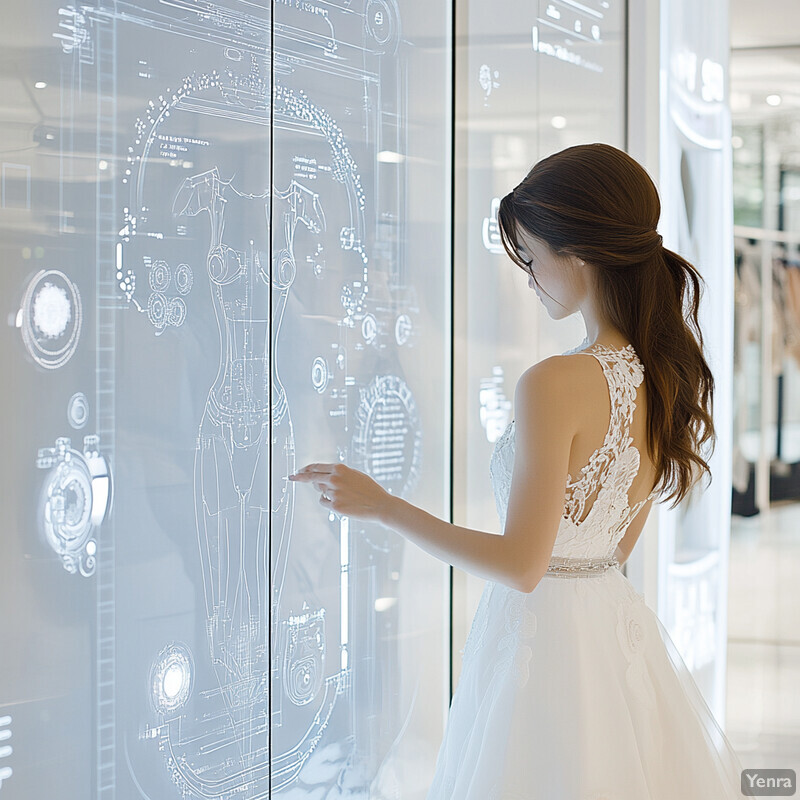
520,627
501,465
480,623
623,376
614,465
633,637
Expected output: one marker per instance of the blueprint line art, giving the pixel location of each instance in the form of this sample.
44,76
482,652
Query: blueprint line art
76,499
246,264
6,749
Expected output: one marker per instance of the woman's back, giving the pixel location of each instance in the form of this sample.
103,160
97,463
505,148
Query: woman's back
594,420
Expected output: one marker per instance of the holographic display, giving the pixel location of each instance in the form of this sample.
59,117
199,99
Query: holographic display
214,257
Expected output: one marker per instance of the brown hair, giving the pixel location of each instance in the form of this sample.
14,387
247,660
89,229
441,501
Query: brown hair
597,203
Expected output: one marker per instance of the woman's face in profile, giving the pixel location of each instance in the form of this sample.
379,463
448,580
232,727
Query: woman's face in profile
555,275
541,263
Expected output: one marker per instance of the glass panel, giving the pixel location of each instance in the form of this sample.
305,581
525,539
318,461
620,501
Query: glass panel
748,174
361,227
532,80
207,290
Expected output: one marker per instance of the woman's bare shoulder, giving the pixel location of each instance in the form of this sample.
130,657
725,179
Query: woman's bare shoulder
583,373
576,378
563,377
575,366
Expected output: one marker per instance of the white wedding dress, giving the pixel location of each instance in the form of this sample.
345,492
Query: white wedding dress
575,691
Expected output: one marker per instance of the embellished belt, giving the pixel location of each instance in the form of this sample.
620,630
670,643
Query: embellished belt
580,567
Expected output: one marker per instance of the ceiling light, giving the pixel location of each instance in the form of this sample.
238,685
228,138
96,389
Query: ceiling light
736,142
40,85
558,122
773,99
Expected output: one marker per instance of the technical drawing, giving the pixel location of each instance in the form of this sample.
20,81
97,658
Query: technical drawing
232,485
76,498
304,657
562,28
383,23
163,311
171,678
320,374
232,504
231,478
78,410
491,230
50,318
74,33
160,276
388,438
184,278
403,330
487,78
5,749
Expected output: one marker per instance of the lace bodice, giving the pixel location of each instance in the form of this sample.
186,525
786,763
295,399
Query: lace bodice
610,471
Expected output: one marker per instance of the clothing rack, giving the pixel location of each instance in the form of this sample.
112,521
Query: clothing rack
780,274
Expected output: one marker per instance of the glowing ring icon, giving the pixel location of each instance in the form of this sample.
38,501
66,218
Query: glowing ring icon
171,678
50,318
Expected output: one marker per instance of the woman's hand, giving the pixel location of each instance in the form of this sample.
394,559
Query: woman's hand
346,491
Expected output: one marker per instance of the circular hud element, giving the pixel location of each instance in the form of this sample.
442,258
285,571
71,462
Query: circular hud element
160,276
184,279
171,678
78,410
382,23
50,318
67,512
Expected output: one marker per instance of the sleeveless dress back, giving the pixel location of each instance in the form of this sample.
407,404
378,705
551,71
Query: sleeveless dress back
575,691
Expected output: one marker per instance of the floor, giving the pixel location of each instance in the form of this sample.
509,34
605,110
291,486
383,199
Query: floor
763,677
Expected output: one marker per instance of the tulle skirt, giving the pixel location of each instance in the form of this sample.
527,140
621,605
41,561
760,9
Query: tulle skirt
576,692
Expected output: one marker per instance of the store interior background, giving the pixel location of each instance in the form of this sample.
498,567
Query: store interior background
763,709
385,174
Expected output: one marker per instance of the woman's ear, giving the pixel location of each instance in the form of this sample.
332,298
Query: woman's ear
574,260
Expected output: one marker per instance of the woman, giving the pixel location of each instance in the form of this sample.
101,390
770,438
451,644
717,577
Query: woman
571,687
